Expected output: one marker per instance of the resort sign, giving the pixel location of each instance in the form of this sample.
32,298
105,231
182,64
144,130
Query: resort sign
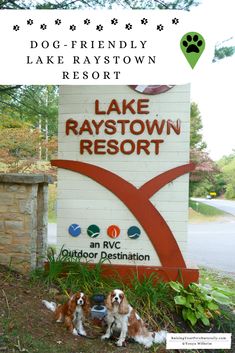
123,177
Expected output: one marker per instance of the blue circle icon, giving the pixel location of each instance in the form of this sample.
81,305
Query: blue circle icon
74,230
133,232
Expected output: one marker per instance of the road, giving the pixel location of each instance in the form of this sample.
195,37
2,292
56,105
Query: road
224,205
212,245
52,233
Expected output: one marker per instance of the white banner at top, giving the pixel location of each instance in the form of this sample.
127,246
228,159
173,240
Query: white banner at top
103,47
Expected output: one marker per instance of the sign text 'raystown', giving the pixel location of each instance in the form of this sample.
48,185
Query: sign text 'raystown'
90,128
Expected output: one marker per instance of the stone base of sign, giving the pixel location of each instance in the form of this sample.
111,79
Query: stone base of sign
23,220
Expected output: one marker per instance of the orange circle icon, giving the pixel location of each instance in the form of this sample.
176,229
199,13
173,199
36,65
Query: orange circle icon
113,231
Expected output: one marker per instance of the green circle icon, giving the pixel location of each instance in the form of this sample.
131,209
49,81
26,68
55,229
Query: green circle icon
93,231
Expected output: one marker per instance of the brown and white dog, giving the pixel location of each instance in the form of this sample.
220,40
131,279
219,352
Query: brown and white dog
72,313
121,316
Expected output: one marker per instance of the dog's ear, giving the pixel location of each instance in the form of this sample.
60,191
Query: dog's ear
124,306
108,301
72,304
86,306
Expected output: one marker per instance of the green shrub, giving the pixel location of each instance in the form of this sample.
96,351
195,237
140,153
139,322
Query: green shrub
200,192
199,303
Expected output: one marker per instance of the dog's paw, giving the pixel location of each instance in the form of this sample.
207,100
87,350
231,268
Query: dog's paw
105,337
148,345
74,332
119,343
82,332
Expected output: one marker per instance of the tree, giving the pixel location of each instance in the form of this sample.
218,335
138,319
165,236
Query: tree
203,178
37,105
8,88
227,165
13,4
222,51
28,127
76,4
18,146
196,141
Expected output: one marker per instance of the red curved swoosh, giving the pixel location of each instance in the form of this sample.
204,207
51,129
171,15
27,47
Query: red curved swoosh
155,184
138,203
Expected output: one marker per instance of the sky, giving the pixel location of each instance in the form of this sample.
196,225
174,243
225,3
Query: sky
215,93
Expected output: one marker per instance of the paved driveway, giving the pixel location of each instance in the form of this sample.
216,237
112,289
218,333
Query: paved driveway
52,233
212,245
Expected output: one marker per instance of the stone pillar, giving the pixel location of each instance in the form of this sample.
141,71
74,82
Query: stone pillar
23,220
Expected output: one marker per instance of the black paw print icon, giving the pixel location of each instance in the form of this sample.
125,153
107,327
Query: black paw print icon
175,21
16,28
160,27
144,21
192,45
114,21
128,26
99,28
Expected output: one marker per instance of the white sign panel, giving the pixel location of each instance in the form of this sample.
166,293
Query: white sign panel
123,174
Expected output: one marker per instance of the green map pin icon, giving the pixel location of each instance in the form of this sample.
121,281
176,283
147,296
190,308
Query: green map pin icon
192,45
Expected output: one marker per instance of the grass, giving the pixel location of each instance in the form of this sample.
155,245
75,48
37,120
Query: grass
200,212
16,342
206,210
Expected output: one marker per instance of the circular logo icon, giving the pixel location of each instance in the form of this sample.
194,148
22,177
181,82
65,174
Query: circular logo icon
133,232
113,231
151,90
93,231
74,230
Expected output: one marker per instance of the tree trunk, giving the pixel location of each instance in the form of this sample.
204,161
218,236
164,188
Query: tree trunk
46,138
40,144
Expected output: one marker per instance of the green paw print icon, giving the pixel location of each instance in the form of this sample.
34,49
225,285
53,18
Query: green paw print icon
192,45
